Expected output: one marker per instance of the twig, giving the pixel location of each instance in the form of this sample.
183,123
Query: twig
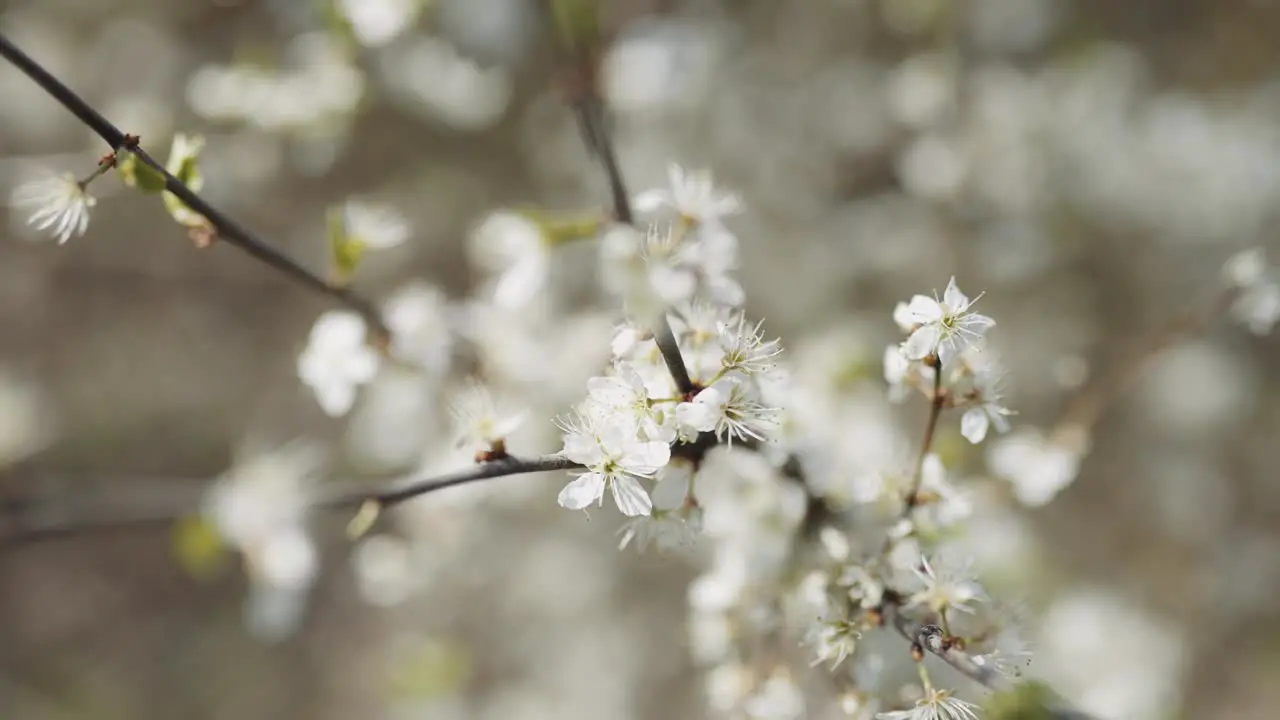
227,228
912,497
16,532
963,663
509,465
590,111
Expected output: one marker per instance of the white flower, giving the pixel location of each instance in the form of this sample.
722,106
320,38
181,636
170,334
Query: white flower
59,205
337,360
625,396
1258,304
260,507
936,705
1038,467
745,349
482,426
944,327
833,641
515,247
949,586
615,458
779,698
692,195
418,317
676,519
374,226
987,379
903,373
727,409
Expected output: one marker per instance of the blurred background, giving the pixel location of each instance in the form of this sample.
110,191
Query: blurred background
1088,165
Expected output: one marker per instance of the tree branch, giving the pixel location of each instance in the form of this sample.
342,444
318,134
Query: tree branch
390,497
17,530
593,124
960,661
227,228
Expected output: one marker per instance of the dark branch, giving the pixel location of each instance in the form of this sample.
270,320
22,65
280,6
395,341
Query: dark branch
390,497
227,228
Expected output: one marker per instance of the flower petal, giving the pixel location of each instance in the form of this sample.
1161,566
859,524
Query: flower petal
630,498
586,489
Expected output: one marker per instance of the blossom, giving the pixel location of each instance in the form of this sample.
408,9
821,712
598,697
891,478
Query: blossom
944,327
692,195
1037,466
374,226
615,457
515,248
418,317
481,425
936,705
337,360
834,640
260,507
59,205
745,349
948,586
727,409
987,377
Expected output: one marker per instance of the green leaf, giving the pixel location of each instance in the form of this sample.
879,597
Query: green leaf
184,164
137,174
564,229
199,548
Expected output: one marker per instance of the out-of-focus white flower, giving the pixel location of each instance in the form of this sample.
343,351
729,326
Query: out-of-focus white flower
615,457
692,195
515,248
374,226
936,705
1258,304
481,425
778,698
337,360
59,205
988,377
1038,467
377,22
418,317
384,570
903,374
948,585
944,327
675,521
260,507
834,640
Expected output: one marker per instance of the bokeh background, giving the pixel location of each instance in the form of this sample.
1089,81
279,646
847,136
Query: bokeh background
1089,165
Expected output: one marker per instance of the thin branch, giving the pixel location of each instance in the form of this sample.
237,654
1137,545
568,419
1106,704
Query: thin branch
593,123
16,531
227,228
390,497
960,661
912,497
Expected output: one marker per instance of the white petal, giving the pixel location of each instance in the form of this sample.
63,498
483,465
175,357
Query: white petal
974,425
673,487
645,458
582,448
651,200
924,309
976,323
586,489
953,298
631,499
922,342
903,317
335,398
698,416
